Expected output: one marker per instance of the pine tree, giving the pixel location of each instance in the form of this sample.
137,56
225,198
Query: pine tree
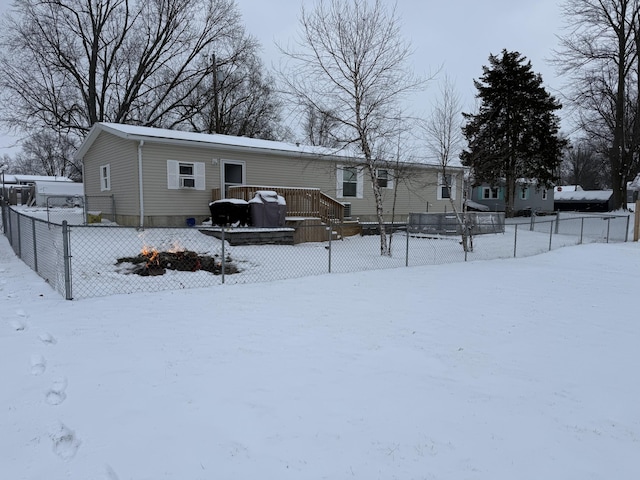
515,132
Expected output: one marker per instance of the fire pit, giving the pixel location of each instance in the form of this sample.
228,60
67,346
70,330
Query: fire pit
151,262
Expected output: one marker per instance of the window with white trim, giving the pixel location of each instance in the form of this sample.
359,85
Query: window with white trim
233,173
349,182
187,175
105,177
524,193
490,193
385,178
446,186
544,194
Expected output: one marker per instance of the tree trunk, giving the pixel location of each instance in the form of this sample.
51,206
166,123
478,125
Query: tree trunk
377,193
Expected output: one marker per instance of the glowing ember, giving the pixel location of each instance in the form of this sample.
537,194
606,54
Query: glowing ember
151,254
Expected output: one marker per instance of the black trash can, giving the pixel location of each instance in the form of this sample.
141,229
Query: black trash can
230,211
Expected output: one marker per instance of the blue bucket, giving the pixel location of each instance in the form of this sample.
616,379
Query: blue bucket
191,222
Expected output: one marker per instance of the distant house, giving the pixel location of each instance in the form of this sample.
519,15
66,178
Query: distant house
528,197
160,177
20,189
574,198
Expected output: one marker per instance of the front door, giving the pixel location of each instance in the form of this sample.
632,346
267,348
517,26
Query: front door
233,173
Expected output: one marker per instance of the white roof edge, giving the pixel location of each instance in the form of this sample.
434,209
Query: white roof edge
179,137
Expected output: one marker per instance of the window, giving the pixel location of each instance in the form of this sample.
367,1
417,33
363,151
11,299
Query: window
185,175
105,177
385,178
524,193
490,193
446,187
544,194
349,181
233,174
187,178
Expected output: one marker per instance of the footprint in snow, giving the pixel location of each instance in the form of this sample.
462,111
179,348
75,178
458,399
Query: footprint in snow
21,313
46,337
56,394
18,325
65,442
38,364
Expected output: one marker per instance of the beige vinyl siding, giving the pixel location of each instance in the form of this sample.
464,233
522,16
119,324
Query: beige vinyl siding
271,169
158,199
121,156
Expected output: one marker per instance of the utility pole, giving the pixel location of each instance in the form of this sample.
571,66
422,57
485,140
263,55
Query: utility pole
216,107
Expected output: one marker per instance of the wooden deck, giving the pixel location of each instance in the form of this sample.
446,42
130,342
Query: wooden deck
301,202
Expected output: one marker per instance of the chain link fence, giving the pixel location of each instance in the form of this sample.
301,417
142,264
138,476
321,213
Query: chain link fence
89,260
40,244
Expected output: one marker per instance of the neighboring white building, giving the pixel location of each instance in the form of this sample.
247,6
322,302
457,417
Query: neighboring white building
57,193
19,189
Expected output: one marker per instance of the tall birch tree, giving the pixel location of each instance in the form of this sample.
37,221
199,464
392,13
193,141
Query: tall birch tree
349,63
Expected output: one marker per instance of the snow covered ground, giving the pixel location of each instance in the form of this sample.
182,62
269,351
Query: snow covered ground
519,368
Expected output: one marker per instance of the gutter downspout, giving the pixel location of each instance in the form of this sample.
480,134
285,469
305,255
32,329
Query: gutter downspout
140,183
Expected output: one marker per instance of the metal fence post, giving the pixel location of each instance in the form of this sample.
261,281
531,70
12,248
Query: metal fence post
608,227
515,241
626,232
330,235
581,230
9,213
223,263
406,261
35,245
532,222
4,216
551,232
557,223
19,251
67,260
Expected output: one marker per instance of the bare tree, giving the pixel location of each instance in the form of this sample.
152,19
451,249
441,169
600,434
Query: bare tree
46,153
600,51
444,139
583,165
319,127
238,98
350,64
70,63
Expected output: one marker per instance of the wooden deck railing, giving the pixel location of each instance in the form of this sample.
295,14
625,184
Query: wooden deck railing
301,202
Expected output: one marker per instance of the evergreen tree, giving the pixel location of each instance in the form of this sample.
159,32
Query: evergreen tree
515,132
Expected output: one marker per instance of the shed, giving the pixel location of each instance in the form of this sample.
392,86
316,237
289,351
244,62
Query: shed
58,193
578,200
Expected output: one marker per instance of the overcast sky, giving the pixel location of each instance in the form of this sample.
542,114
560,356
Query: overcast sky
456,36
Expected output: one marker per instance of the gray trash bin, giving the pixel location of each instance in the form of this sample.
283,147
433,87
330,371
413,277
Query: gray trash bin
267,209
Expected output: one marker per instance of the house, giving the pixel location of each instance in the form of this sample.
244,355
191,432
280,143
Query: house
159,177
574,199
528,198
